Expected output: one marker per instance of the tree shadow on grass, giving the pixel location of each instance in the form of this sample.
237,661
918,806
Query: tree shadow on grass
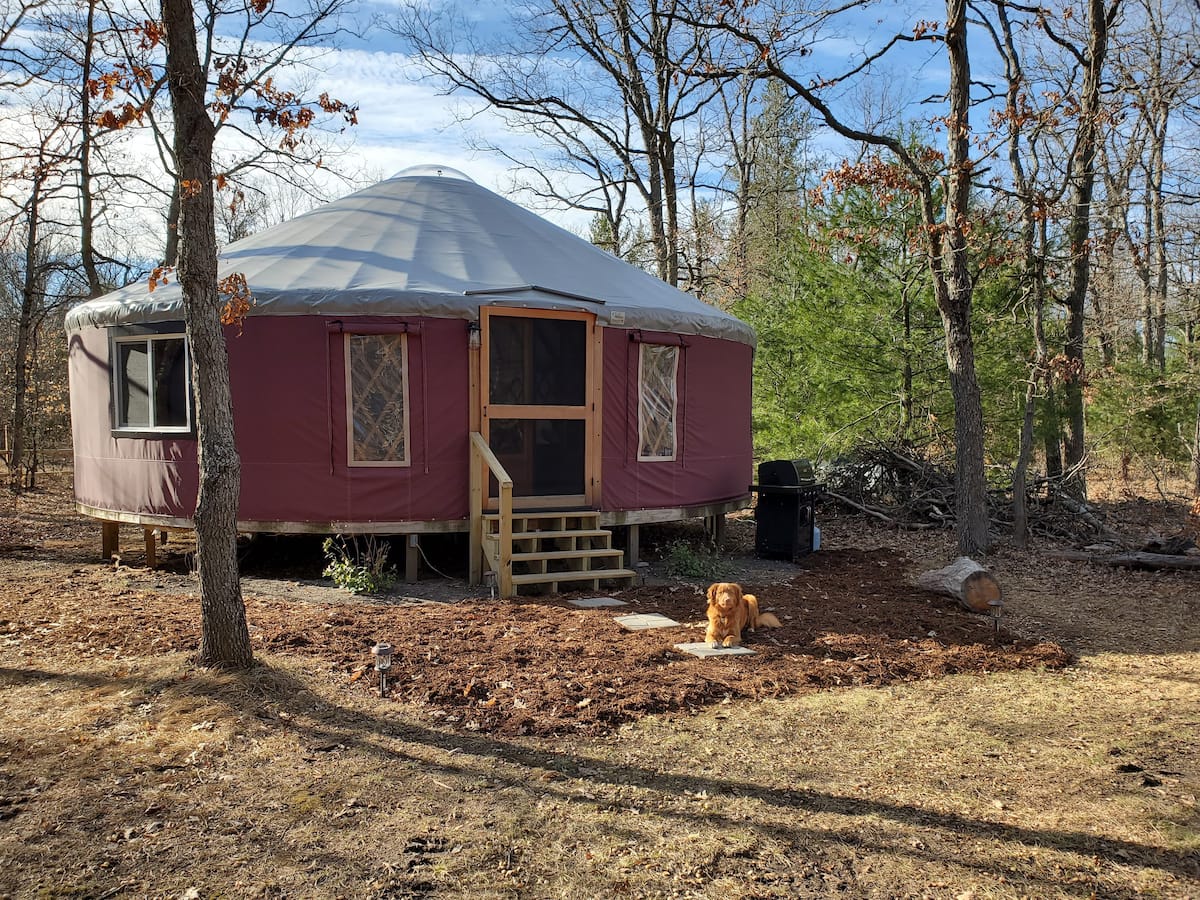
317,722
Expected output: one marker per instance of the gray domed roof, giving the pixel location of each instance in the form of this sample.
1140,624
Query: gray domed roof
429,245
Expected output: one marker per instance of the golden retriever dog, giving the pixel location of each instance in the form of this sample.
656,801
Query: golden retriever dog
730,610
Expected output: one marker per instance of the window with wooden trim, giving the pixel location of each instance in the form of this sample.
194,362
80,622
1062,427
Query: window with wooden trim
377,399
658,367
151,381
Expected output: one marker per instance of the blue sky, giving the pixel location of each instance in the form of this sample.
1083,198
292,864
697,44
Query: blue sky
405,120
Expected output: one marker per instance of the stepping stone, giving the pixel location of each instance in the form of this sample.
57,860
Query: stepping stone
594,602
705,649
642,621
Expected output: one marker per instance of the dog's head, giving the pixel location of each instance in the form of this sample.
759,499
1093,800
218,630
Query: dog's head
725,595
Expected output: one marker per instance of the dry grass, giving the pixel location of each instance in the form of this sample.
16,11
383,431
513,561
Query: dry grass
149,782
149,779
143,777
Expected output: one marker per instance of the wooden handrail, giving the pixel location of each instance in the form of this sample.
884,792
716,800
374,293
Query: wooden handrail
484,461
489,457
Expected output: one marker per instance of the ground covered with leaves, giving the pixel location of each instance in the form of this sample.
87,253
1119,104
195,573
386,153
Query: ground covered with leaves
884,742
542,666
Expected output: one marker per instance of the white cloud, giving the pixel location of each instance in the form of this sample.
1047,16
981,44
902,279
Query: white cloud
406,120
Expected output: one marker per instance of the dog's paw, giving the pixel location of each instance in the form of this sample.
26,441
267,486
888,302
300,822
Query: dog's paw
716,645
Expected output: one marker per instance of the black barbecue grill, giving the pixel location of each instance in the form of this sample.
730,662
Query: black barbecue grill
784,515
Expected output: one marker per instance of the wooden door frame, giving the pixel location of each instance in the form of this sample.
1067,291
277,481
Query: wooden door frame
589,413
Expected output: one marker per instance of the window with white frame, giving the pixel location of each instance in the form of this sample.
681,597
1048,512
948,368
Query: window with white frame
377,399
658,367
151,381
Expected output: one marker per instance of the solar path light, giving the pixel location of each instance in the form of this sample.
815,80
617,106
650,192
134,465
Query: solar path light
383,661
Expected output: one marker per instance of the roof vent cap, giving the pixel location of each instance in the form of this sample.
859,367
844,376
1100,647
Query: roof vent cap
432,171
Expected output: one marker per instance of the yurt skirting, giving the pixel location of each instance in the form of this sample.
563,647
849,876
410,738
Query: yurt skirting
388,327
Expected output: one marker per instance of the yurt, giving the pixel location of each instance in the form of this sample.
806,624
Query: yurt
427,356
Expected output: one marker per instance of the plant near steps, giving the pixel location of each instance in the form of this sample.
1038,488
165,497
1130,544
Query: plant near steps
685,560
360,567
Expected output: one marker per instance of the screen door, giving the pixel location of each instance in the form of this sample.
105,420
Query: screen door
537,399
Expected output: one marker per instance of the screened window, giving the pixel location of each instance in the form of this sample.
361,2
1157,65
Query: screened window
657,402
151,382
377,384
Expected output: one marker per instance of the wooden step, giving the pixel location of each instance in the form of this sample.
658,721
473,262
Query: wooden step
555,577
527,523
566,545
493,550
598,553
534,535
547,514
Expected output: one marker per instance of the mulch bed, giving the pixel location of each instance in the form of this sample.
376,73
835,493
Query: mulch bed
540,667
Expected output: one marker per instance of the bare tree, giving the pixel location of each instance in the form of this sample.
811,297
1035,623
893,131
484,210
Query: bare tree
37,179
1089,56
940,182
1022,125
613,87
771,170
225,638
247,49
258,201
243,96
18,66
1156,70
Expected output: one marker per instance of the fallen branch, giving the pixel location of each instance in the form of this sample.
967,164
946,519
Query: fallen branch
1134,559
883,517
1081,510
866,509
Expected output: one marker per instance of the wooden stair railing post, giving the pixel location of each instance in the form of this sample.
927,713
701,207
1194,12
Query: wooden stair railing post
505,575
475,571
487,458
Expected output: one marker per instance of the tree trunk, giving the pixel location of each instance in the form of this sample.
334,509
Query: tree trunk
906,376
1083,176
1052,431
33,444
16,459
171,248
666,75
1161,266
1037,372
1196,460
1020,508
970,483
87,250
1134,559
646,112
225,638
744,149
671,204
1032,267
1144,273
1104,332
30,291
946,253
953,289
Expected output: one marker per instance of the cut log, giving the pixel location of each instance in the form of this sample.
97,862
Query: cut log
966,581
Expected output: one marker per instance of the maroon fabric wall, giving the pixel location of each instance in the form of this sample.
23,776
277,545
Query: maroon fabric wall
289,398
125,474
714,452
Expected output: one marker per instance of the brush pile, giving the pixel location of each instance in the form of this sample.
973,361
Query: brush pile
911,489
